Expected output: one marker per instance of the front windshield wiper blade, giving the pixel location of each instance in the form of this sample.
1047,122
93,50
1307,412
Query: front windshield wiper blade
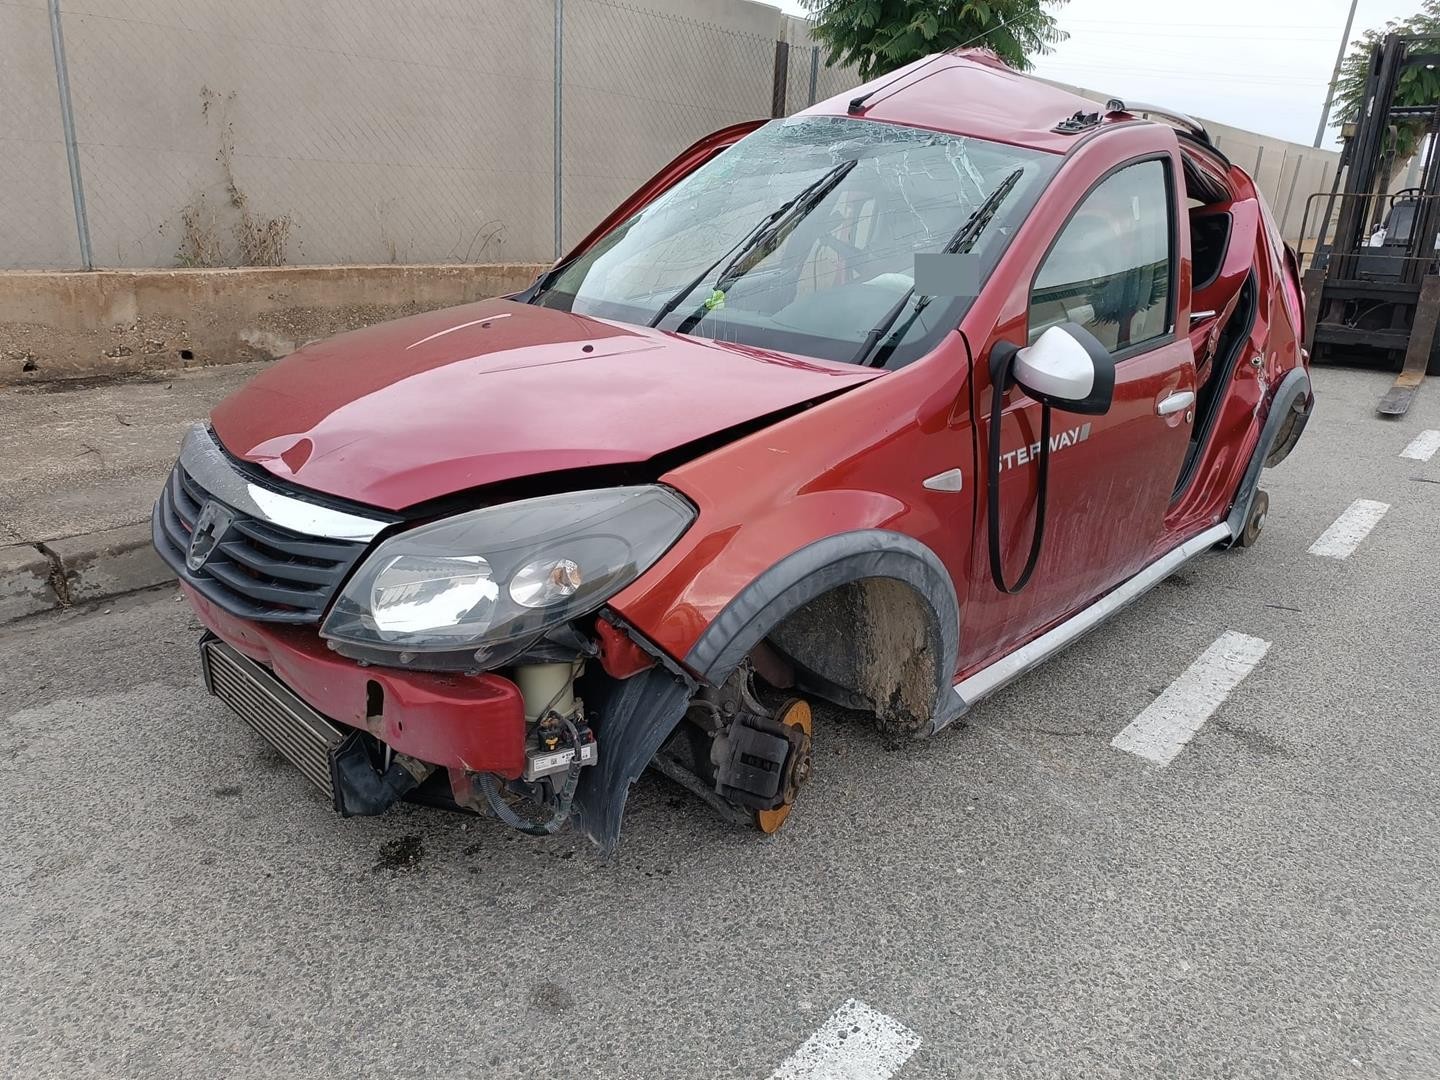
764,238
961,243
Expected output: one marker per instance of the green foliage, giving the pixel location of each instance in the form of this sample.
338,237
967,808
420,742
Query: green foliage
1418,85
880,35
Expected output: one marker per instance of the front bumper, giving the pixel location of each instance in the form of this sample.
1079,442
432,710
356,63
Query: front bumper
463,723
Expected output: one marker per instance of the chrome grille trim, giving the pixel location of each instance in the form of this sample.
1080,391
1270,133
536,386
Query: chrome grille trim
300,734
207,465
256,570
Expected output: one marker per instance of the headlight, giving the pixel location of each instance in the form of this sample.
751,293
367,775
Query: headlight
475,589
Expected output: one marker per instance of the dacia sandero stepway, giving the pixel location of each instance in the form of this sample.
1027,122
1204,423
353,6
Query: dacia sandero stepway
878,405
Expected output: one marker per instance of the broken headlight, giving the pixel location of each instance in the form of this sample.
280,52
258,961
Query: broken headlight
476,589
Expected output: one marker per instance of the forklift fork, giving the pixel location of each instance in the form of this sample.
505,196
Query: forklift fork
1397,399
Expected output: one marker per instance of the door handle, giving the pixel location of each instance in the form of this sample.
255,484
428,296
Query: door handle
1168,406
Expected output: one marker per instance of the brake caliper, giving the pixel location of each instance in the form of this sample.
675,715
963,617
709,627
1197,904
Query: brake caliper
761,762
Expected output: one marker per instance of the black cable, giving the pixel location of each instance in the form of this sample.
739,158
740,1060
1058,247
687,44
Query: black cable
997,403
490,788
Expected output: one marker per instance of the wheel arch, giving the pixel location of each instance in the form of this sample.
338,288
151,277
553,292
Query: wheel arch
638,714
795,584
1290,409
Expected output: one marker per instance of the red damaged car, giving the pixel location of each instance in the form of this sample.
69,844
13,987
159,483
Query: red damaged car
879,405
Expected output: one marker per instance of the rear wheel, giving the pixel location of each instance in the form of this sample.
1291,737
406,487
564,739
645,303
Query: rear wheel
1256,521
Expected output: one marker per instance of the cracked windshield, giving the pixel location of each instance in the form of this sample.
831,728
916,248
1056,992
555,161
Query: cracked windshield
802,238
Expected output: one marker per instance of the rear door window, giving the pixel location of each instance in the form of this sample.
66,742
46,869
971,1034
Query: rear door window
1110,268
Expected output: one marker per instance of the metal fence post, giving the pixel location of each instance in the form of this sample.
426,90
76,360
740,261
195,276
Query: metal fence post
67,120
1290,195
782,75
814,71
559,122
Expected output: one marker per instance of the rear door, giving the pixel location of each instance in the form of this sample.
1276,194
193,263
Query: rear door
1112,258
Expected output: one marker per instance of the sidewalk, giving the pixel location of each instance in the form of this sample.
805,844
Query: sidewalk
82,464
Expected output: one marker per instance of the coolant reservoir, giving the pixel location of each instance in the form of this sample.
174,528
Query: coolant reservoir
547,686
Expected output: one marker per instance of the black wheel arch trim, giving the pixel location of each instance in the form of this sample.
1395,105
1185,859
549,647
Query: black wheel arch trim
1290,410
639,713
815,569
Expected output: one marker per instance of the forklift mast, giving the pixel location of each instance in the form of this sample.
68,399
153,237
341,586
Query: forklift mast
1373,295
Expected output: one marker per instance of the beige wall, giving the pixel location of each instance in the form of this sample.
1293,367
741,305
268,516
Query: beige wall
382,135
37,222
369,131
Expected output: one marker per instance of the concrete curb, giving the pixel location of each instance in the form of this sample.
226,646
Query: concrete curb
77,570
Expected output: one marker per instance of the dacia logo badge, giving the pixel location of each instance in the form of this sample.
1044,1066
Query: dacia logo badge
210,528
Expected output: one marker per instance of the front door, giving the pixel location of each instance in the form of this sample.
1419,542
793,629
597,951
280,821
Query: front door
1114,267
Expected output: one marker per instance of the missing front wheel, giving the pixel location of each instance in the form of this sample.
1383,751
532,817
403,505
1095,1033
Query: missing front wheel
745,758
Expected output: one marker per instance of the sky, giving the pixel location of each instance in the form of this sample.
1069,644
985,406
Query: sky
1262,65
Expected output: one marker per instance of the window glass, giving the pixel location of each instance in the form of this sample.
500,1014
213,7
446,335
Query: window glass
1109,270
802,238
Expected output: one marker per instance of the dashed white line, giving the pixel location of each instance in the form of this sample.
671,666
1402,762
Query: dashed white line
1168,723
855,1043
1423,446
1351,527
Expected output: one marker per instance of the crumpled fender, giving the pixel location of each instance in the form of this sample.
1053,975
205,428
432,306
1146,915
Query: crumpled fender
676,602
639,713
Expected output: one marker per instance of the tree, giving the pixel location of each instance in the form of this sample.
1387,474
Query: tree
1418,85
880,35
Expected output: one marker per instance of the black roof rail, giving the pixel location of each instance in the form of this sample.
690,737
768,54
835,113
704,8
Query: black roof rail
1179,119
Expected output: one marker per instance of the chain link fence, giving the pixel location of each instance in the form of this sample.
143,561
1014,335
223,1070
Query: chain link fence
37,219
217,133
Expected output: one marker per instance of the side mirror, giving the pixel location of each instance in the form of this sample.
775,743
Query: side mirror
1066,368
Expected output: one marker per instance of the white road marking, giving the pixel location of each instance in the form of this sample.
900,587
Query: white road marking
1351,527
855,1043
1168,723
1423,446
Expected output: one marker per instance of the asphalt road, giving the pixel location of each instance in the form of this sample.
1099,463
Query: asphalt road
175,901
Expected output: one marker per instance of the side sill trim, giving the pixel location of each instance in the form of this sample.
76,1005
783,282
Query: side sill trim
989,679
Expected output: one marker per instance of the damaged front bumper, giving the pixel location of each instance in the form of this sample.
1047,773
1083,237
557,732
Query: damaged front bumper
331,717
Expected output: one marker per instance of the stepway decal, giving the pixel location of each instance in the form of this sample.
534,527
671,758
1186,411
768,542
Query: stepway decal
1026,454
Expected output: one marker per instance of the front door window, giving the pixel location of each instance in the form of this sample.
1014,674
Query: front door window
1109,269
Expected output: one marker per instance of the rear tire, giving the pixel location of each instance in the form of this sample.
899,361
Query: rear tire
1256,521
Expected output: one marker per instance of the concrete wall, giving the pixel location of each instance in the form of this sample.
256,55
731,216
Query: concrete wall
108,322
220,132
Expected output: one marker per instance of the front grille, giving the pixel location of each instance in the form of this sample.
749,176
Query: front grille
301,735
258,570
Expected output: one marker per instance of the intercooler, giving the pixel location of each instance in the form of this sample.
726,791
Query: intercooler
301,735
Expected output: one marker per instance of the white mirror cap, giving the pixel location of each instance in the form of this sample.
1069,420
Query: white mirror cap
1056,366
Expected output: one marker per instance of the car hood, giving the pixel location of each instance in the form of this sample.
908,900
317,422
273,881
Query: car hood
412,410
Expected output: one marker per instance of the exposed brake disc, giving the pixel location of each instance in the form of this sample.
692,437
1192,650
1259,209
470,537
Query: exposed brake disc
794,714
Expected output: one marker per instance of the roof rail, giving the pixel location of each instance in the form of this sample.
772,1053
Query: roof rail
1179,119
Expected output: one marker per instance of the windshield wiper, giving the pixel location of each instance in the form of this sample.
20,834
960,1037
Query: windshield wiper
961,243
755,245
